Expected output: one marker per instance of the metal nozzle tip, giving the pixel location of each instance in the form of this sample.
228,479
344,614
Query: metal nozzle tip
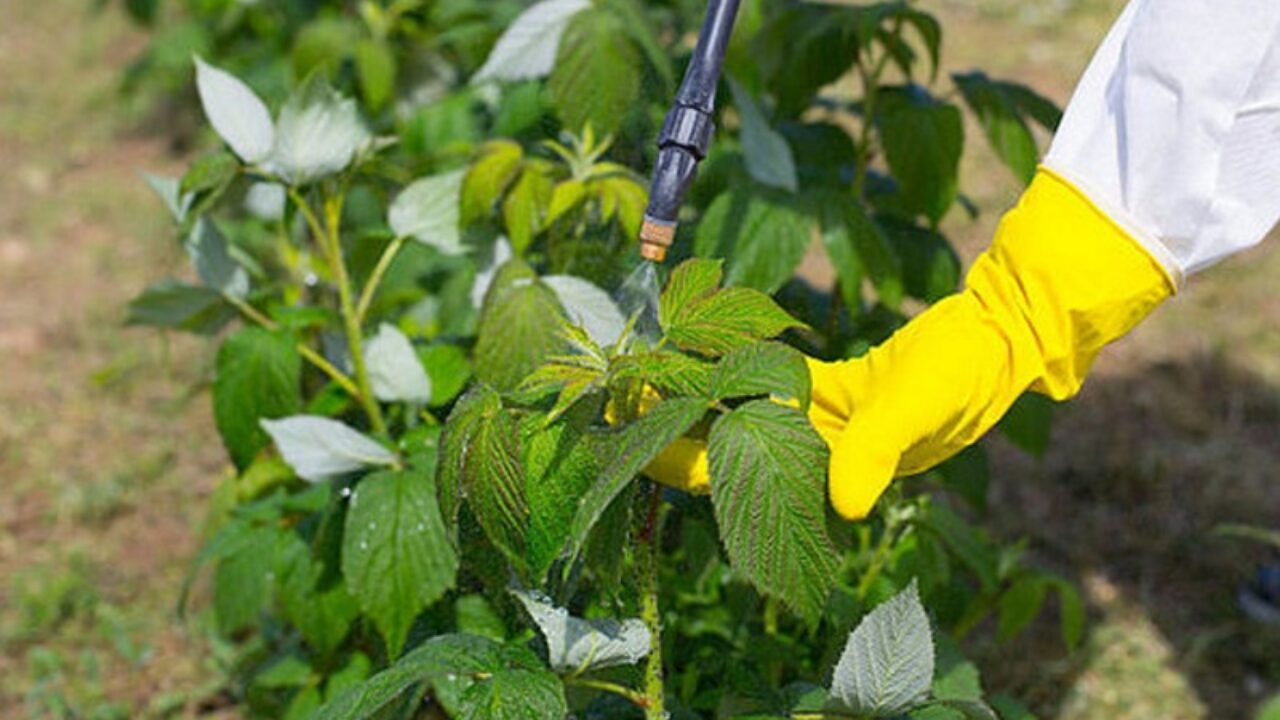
655,238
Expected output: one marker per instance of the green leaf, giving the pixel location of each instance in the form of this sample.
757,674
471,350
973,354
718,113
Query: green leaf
323,44
519,328
396,556
322,614
259,376
1019,605
561,464
1071,611
768,485
488,179
727,320
459,432
575,645
968,473
887,666
525,208
494,479
1011,709
769,159
965,541
955,678
765,368
242,580
376,67
762,235
922,139
1029,423
930,267
632,448
210,172
672,373
471,677
177,305
596,80
692,281
449,369
1005,129
211,256
427,210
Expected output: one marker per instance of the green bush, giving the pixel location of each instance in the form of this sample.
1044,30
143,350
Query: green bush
439,416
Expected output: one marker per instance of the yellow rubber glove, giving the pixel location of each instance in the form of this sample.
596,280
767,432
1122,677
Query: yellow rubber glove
1060,281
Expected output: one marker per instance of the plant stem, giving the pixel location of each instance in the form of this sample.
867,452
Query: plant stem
637,698
647,551
882,552
326,235
304,350
355,338
375,278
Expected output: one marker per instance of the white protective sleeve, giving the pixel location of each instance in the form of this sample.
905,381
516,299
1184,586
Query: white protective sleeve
1174,130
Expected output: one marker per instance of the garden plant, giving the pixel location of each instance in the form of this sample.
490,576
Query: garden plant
442,370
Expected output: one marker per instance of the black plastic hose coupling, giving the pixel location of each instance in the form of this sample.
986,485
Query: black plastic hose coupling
687,131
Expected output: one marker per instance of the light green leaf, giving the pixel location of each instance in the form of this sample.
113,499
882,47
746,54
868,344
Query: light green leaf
236,113
319,448
318,134
768,485
480,402
525,207
519,328
762,235
488,178
449,368
670,372
396,556
376,66
588,307
764,368
527,49
632,448
427,210
596,80
726,321
887,665
394,369
769,158
259,376
692,281
575,645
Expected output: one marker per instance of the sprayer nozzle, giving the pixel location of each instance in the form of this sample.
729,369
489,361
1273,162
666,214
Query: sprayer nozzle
655,238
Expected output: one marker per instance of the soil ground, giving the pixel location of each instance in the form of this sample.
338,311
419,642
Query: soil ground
108,454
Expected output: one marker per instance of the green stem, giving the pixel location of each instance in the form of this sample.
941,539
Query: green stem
304,350
881,556
870,90
326,235
647,550
375,278
635,697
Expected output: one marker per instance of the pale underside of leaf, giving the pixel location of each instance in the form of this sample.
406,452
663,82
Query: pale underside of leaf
319,448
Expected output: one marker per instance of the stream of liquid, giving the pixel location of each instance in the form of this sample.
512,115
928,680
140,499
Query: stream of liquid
638,296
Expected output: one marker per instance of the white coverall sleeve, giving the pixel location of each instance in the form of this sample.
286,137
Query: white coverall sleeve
1174,130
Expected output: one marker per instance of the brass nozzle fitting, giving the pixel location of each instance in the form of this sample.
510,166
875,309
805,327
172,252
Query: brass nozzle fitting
655,238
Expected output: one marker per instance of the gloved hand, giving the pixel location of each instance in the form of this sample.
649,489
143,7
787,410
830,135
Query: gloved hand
1060,281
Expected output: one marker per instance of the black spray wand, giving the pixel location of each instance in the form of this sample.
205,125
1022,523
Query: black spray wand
686,133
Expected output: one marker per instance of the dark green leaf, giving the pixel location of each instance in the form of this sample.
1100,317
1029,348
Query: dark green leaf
449,369
177,305
459,432
322,615
396,556
762,235
1002,120
1011,709
930,266
768,485
633,448
1029,423
765,368
922,139
968,474
596,80
242,580
965,541
494,479
561,464
1019,605
259,377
